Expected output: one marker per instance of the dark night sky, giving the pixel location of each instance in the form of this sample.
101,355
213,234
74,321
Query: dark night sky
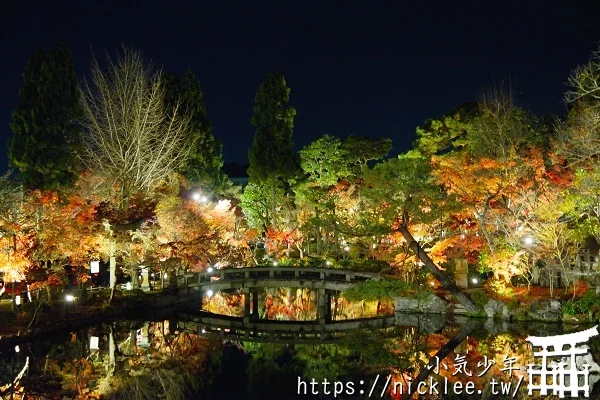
369,68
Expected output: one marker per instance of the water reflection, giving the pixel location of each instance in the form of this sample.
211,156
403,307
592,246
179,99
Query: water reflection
164,359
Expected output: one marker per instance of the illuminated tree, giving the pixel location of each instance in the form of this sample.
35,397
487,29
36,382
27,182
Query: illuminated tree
132,138
272,159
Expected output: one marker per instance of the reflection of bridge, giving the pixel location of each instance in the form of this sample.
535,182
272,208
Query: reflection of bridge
238,328
250,279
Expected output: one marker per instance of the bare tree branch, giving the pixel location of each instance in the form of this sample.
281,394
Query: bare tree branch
131,138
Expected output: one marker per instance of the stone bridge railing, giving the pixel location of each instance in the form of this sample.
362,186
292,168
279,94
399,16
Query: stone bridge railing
255,274
250,279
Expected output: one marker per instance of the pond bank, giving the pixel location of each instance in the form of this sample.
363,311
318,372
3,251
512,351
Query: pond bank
541,310
146,305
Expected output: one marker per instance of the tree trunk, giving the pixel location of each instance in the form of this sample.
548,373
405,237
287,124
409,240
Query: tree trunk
113,278
465,331
444,279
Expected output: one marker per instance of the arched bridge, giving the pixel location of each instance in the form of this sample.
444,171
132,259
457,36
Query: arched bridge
262,277
249,279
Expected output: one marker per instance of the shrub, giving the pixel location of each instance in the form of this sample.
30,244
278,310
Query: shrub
588,304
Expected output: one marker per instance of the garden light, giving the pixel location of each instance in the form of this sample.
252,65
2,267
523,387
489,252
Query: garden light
69,298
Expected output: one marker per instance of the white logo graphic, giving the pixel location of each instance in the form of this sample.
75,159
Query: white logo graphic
562,374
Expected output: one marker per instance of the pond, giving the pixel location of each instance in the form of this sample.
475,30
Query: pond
186,355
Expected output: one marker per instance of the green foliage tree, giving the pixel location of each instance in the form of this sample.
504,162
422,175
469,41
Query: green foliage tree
360,150
46,135
272,159
271,155
441,135
203,166
325,161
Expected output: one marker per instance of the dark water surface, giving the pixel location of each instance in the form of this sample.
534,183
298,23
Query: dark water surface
177,357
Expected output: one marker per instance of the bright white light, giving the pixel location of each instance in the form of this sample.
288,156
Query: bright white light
209,293
374,245
196,196
165,276
528,240
128,286
203,330
347,248
95,267
520,228
209,270
275,263
327,262
17,349
17,300
94,342
475,281
203,199
69,297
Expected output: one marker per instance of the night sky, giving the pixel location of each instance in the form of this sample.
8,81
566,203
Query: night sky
362,68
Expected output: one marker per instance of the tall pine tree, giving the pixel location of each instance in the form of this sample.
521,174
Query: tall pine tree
44,124
272,156
206,159
272,159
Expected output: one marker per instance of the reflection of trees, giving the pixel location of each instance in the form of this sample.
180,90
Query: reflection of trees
293,304
172,366
168,369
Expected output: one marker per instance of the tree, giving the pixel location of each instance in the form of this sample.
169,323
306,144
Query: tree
361,150
204,163
46,135
324,162
447,133
272,159
131,137
399,191
271,155
578,141
499,177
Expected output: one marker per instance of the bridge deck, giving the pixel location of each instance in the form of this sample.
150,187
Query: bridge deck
313,278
